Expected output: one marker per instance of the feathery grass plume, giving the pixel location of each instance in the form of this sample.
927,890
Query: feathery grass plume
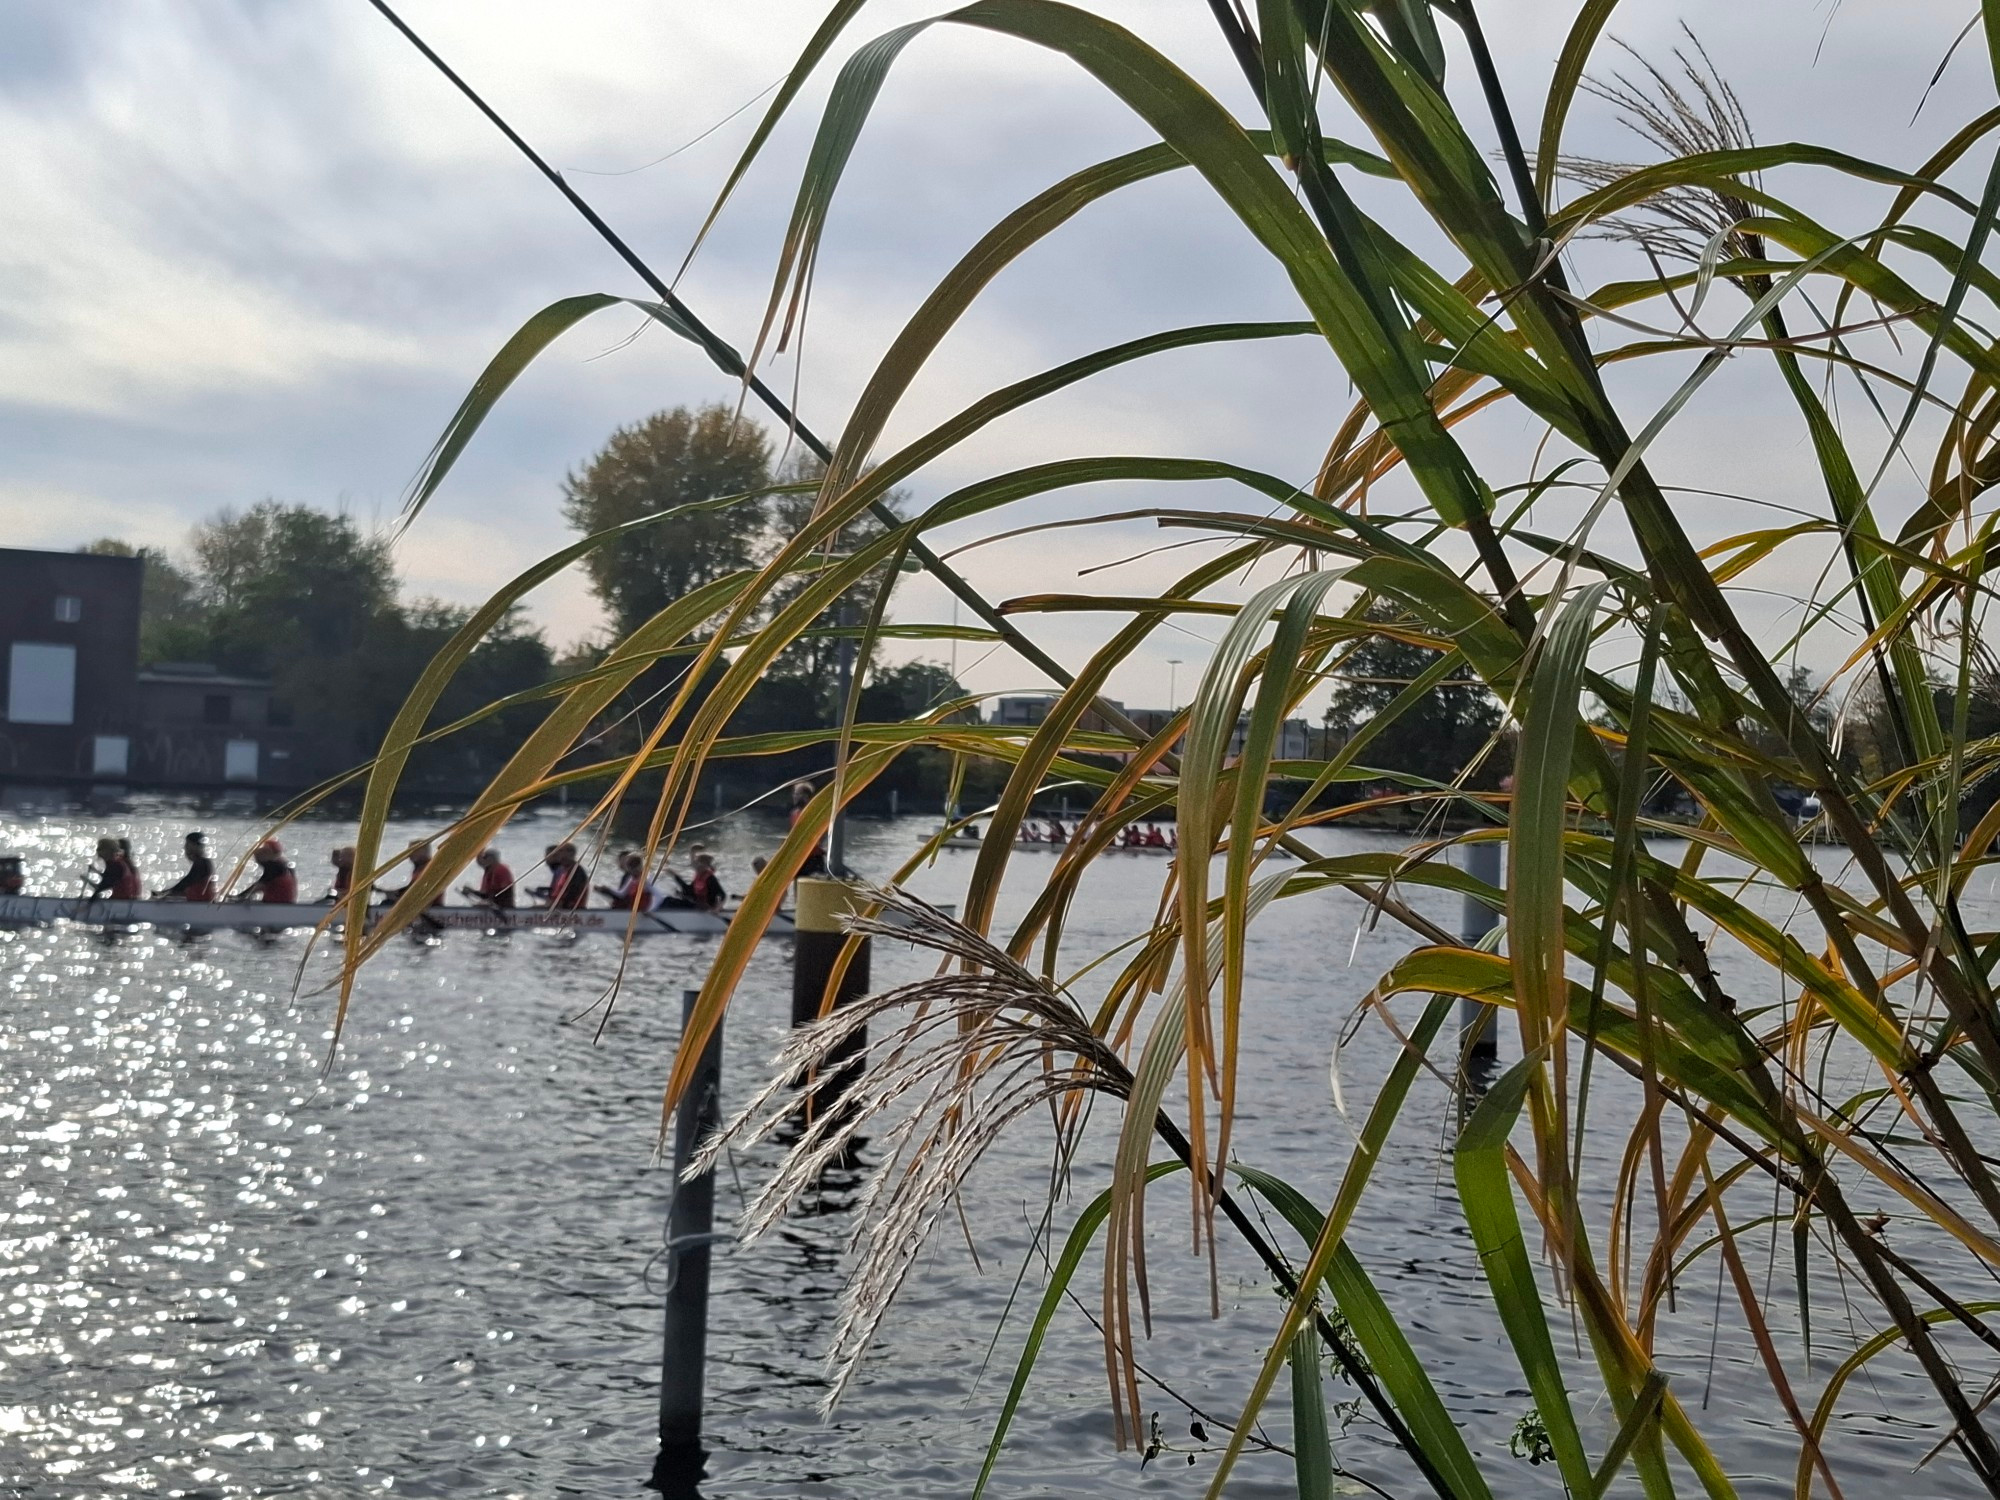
1696,115
969,1051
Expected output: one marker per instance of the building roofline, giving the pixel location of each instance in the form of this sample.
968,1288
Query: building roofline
201,679
87,557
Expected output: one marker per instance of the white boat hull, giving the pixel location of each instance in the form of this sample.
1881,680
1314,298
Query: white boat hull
273,917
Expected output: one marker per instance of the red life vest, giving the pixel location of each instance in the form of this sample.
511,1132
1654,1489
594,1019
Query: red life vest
497,885
707,890
278,884
121,881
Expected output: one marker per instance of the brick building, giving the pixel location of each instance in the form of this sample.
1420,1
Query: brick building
69,645
79,711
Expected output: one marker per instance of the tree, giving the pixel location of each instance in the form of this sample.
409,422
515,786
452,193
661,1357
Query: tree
286,583
923,774
672,458
373,680
309,600
814,656
1440,734
172,621
909,691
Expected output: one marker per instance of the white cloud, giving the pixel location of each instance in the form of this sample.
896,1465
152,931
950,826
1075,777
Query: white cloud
262,249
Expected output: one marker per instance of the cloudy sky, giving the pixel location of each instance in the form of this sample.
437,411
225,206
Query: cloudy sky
258,248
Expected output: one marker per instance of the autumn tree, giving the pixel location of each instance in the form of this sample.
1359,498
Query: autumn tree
672,458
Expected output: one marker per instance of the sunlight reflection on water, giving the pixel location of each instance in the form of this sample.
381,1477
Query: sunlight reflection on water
229,1269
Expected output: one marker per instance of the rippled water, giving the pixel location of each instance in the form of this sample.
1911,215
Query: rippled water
233,1263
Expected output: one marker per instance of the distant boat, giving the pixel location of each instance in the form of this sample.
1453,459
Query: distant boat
1022,841
268,916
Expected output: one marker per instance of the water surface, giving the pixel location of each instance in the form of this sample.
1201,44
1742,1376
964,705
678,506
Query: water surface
236,1263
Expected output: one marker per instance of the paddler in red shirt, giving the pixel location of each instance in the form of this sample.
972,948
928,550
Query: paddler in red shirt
276,884
199,882
496,882
119,880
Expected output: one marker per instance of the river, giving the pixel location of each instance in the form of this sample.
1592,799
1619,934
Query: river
235,1261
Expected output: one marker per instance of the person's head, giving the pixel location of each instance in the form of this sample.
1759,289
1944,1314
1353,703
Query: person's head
486,859
270,852
420,856
801,793
704,861
757,865
632,862
343,857
563,854
195,845
108,849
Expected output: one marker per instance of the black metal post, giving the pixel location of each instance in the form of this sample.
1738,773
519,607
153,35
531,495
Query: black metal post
690,1233
1483,861
820,907
836,833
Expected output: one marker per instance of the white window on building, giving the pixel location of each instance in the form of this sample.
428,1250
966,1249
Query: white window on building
41,684
239,760
110,755
69,608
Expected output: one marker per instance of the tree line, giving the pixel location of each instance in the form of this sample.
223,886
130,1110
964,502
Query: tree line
313,601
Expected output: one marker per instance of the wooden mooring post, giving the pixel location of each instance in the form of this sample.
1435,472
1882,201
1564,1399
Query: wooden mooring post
678,1469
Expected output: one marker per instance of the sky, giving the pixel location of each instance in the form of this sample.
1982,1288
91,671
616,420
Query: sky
260,248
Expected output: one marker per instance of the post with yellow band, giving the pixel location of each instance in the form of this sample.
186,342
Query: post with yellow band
821,907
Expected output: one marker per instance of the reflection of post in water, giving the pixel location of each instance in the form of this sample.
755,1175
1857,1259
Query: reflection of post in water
677,1471
1479,1036
820,911
1481,1071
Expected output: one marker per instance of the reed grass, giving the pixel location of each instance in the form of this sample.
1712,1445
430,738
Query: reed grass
1604,966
